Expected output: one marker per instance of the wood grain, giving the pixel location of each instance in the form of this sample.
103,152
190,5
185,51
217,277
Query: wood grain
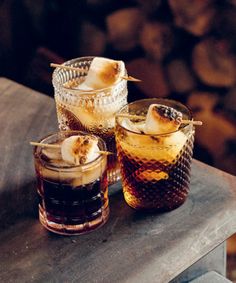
131,247
25,115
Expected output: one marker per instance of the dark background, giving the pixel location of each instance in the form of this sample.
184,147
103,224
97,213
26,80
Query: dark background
185,50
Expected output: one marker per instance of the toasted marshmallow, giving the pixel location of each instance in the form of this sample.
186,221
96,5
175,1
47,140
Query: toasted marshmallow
162,119
103,73
78,149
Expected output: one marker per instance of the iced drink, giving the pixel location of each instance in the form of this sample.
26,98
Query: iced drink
72,183
88,99
155,153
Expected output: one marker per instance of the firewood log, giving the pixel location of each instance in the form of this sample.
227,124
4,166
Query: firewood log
216,129
92,40
229,103
156,39
213,66
179,76
194,16
123,28
148,7
151,73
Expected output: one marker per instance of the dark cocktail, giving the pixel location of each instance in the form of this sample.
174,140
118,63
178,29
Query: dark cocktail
72,182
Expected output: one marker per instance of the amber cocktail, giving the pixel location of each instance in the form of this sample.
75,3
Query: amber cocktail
80,107
155,168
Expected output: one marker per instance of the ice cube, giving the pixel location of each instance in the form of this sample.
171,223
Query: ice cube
90,174
84,87
91,117
159,148
51,154
129,125
173,144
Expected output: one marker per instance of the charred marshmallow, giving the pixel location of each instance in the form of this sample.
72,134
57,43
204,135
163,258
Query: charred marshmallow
162,119
79,150
103,73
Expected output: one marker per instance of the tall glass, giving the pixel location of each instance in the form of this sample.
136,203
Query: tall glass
92,111
155,169
72,199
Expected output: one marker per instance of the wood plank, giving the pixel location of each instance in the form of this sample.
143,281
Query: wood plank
211,277
25,115
131,247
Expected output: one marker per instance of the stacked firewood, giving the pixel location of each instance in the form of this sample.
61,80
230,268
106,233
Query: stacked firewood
180,49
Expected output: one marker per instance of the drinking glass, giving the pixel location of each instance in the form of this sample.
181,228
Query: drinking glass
155,169
73,199
92,111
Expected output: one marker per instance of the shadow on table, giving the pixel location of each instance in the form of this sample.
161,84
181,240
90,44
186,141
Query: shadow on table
17,202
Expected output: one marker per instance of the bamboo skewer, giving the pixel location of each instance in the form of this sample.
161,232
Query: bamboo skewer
140,117
130,78
45,145
131,116
195,123
53,65
105,152
57,146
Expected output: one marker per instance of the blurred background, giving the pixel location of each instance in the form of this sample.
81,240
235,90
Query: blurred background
180,49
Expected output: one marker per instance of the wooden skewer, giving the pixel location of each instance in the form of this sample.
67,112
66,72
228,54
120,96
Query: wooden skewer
57,146
53,65
105,152
130,78
45,145
195,123
140,117
130,116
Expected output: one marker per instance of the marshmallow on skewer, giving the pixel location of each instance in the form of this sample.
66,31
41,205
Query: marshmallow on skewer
103,73
78,150
162,119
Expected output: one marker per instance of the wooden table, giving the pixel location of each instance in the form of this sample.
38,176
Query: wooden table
131,247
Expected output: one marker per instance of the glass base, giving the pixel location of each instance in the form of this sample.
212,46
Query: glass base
153,209
113,176
68,230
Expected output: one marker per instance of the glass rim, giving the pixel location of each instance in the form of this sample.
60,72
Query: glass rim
86,92
153,99
70,166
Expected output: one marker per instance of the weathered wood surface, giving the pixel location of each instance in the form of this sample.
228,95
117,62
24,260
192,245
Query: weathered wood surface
214,260
25,115
211,277
131,247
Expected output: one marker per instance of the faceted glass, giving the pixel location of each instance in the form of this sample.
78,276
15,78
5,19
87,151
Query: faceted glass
72,199
155,169
92,111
